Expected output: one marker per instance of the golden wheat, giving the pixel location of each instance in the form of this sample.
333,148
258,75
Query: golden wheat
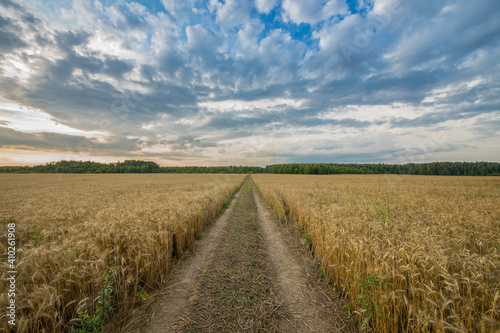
71,228
433,241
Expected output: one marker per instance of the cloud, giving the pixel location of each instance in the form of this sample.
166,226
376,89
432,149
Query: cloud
430,47
117,67
30,120
189,142
265,6
231,13
137,8
201,41
313,11
11,4
249,34
66,143
10,32
126,20
10,41
257,81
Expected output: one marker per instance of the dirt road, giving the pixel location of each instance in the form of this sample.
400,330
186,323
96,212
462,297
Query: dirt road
248,273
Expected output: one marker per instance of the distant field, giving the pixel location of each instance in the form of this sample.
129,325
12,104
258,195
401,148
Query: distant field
413,253
73,229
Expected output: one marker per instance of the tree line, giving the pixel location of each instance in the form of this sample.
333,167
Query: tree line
128,166
434,168
134,166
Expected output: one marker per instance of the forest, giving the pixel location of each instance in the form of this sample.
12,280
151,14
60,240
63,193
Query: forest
135,166
128,166
434,168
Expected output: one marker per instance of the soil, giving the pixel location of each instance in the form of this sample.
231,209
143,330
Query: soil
248,273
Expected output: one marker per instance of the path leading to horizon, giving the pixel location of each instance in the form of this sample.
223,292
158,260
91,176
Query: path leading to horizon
248,273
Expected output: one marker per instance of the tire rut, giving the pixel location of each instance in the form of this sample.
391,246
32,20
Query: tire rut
175,301
236,291
246,276
310,303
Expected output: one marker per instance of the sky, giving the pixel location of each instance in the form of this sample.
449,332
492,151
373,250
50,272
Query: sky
249,82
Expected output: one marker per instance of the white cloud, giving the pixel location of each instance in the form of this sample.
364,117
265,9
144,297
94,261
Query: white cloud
279,48
333,35
249,34
381,7
313,11
201,40
375,113
29,120
14,67
231,13
267,104
116,16
265,6
172,6
137,8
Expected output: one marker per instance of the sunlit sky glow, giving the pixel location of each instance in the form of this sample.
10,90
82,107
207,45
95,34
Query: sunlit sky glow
249,82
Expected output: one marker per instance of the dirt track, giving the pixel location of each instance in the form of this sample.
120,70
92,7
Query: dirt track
248,273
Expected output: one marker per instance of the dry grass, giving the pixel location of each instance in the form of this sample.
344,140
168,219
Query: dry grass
71,228
433,241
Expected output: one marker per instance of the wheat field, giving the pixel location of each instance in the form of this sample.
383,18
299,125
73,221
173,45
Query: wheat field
72,229
412,253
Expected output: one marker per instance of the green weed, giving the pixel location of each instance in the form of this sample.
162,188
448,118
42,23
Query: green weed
95,323
348,309
345,288
387,216
142,294
307,240
368,286
36,232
